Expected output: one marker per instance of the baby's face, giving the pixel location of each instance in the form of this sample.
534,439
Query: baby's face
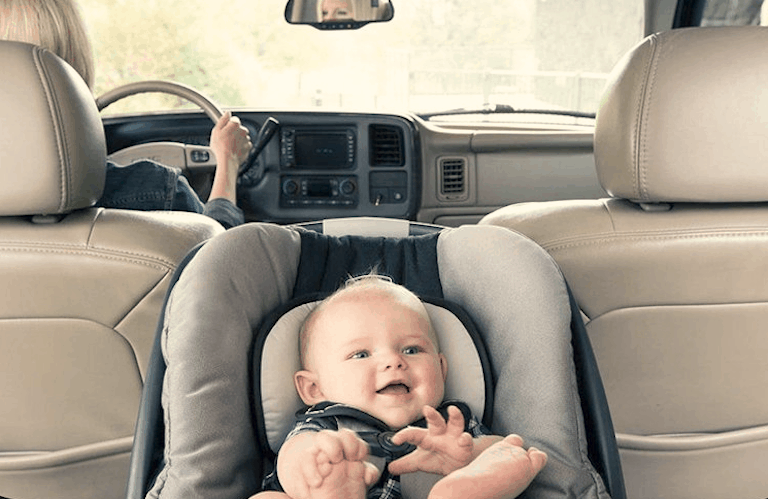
374,352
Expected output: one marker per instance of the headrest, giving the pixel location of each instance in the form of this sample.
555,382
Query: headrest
279,359
685,118
52,146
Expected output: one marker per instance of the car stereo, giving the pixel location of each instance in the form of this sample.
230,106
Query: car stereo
303,191
311,148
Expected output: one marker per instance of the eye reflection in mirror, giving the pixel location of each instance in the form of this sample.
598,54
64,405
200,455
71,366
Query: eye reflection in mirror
338,14
336,10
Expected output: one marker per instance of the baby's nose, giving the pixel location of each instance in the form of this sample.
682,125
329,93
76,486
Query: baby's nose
394,361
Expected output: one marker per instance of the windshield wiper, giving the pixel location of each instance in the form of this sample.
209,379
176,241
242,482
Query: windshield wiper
504,109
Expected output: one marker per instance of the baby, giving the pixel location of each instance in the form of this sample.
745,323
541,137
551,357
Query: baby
371,346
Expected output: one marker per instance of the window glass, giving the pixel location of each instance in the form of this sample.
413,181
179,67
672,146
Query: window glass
434,55
734,13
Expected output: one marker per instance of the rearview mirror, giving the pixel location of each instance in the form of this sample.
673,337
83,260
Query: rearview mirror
338,14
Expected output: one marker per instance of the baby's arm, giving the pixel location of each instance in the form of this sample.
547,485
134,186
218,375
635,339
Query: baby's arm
443,447
324,464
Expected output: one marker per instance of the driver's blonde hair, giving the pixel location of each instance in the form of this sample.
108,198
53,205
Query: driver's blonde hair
55,25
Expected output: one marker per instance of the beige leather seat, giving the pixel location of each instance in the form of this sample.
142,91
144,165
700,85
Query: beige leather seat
80,288
672,269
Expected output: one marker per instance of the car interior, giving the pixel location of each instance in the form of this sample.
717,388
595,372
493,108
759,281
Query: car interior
606,260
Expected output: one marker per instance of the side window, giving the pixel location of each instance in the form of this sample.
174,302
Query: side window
734,13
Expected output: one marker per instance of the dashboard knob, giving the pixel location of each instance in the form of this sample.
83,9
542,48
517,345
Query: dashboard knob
290,187
347,187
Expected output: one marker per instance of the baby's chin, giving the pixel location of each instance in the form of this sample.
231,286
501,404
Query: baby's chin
397,420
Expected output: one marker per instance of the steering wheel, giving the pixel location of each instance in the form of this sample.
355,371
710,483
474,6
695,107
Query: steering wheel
210,108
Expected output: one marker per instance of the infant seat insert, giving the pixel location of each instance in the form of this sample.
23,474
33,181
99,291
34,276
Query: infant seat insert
227,391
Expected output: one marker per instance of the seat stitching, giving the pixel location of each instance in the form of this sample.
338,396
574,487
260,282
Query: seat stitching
93,227
751,230
649,237
651,69
118,324
636,133
140,299
129,257
83,249
609,213
58,131
642,306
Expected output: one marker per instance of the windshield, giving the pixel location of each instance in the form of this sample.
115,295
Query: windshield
434,55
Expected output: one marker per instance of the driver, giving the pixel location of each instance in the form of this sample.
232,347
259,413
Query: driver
336,10
145,185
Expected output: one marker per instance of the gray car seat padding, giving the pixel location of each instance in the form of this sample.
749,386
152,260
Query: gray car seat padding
510,287
518,299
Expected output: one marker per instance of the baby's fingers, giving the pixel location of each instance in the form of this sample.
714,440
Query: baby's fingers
406,464
371,474
465,440
354,448
455,424
342,444
324,465
435,422
411,434
329,446
311,471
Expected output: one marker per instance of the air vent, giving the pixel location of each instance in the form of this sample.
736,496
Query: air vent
453,179
386,145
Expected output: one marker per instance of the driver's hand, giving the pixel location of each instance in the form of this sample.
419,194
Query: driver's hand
230,139
231,143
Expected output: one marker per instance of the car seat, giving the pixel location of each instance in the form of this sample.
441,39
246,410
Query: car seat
81,288
671,269
221,394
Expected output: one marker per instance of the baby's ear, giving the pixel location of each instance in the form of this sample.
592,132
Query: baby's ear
444,366
308,388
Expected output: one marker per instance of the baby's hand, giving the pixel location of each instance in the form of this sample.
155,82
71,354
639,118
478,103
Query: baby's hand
335,465
441,447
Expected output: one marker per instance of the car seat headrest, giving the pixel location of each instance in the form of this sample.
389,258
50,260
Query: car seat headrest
467,379
685,116
52,149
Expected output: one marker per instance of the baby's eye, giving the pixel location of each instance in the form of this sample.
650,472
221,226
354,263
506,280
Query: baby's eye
362,354
411,350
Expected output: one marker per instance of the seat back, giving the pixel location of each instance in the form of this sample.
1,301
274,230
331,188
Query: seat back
671,270
81,288
208,441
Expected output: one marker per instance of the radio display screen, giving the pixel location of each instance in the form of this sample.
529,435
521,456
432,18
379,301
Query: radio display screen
319,189
321,150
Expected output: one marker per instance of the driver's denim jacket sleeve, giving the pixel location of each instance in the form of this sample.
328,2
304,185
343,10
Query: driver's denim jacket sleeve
147,185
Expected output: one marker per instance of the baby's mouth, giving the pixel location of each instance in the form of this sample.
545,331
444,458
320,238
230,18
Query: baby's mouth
394,389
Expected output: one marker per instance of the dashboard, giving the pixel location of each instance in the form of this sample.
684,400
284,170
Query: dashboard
321,165
318,165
